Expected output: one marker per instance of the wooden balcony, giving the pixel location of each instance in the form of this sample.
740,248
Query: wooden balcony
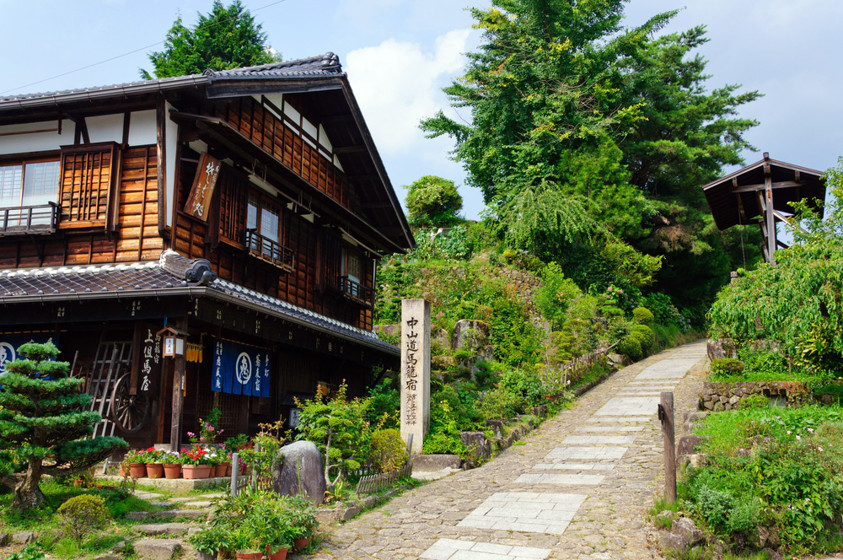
356,291
270,251
23,220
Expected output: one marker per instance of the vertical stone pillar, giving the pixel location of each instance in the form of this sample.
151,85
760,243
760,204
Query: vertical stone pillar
415,370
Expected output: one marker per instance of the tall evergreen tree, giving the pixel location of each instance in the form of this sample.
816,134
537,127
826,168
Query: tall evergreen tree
226,38
581,127
43,424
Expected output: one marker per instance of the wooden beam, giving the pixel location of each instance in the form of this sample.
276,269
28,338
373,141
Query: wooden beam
768,212
778,185
354,149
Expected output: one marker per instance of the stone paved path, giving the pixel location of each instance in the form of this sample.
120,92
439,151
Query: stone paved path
578,488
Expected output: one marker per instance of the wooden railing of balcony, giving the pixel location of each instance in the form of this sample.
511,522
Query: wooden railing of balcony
356,291
270,251
19,220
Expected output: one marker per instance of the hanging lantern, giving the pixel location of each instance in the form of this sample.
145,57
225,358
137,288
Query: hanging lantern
173,342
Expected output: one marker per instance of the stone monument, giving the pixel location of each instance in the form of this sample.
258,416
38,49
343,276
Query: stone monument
415,370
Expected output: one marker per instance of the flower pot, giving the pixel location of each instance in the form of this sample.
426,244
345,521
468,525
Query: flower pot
154,470
172,470
300,544
137,470
226,469
192,472
280,555
250,554
219,470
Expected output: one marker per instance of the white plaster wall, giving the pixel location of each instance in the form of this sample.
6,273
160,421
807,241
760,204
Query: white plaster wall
105,128
171,140
142,131
36,141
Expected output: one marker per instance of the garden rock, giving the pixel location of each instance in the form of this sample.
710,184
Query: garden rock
157,549
669,541
773,554
687,444
300,472
23,537
162,528
137,515
478,448
440,338
665,515
5,539
470,335
688,530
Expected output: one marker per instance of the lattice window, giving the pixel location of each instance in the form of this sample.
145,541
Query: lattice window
233,189
87,182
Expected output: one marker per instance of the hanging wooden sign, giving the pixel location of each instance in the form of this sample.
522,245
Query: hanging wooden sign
204,182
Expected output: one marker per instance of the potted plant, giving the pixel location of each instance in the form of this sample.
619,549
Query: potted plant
210,541
134,462
154,463
195,463
171,462
303,521
269,522
245,544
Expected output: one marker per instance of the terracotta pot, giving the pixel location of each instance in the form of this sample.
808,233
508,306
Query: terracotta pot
137,470
280,555
219,470
192,472
300,544
226,469
172,470
249,555
154,470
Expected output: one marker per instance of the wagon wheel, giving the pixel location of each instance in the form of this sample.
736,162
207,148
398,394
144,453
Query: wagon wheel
128,411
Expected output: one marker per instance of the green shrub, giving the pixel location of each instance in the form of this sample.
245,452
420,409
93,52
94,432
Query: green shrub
645,336
726,367
643,316
389,452
630,347
500,403
439,443
81,515
714,506
755,401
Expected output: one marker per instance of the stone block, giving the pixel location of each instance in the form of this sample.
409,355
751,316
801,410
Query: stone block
478,448
440,339
162,528
350,512
23,537
157,549
137,515
687,529
470,335
300,472
433,463
687,444
669,541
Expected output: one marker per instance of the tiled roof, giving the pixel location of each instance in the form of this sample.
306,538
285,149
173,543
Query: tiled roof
163,278
324,65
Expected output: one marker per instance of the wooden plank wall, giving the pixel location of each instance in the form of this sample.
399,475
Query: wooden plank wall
279,139
136,237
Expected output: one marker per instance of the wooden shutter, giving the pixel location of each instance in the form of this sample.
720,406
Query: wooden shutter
87,185
234,188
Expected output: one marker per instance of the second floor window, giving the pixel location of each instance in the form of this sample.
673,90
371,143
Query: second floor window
29,184
263,233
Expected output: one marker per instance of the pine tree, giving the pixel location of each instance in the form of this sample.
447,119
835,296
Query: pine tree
43,424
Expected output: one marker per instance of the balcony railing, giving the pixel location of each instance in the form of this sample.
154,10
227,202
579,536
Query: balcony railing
20,220
356,291
270,251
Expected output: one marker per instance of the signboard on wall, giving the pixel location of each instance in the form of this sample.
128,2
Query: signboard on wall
9,344
199,202
240,370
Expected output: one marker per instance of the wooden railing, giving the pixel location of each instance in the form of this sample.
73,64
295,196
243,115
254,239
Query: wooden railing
29,219
356,290
268,250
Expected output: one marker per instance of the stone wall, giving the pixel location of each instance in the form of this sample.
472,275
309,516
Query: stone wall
719,396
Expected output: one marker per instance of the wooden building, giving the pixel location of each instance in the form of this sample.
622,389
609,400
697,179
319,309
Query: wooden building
241,212
763,193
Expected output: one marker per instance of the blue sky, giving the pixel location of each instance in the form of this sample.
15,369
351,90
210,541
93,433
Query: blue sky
400,53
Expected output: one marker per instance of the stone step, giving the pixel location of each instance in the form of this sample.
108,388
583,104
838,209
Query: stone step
153,529
157,549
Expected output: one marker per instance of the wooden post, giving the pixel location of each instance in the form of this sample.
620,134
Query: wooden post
178,402
235,473
769,217
666,417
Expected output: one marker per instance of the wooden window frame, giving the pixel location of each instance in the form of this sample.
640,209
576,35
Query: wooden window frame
107,222
257,244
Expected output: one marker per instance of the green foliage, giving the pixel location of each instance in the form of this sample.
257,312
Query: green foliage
433,201
755,401
645,337
384,400
339,429
582,131
29,552
44,423
555,295
225,38
81,515
725,367
787,477
643,316
388,450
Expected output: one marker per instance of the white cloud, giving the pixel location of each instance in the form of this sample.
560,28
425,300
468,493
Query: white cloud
397,84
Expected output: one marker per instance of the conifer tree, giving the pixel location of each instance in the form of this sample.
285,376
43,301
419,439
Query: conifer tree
43,424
